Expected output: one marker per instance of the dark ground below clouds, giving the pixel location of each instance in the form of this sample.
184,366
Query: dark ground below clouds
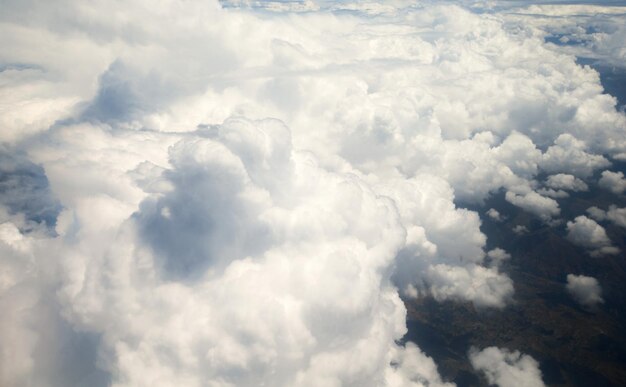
574,346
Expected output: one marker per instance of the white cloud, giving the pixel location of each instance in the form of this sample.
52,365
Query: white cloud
32,328
569,155
485,287
596,213
558,194
613,214
540,206
520,229
587,233
506,368
585,290
617,215
200,240
495,215
444,246
567,182
613,181
413,368
558,184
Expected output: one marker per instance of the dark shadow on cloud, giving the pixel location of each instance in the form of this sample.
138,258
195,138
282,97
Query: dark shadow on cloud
202,224
116,98
24,188
182,243
64,356
126,93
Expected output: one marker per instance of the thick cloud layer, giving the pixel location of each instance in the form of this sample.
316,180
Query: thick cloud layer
204,193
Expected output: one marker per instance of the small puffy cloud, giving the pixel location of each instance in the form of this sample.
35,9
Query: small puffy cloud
520,229
486,287
540,206
443,254
495,215
244,217
613,181
412,368
585,290
617,215
558,194
589,234
596,213
506,368
567,182
498,255
32,327
33,104
613,214
520,154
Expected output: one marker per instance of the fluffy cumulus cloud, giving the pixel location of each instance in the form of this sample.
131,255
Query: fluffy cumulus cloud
586,232
520,229
240,193
585,290
613,214
413,365
506,368
569,154
613,181
498,255
243,260
617,215
543,207
566,182
558,185
495,215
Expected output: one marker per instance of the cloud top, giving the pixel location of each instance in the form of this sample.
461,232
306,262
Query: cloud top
506,368
585,290
587,233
